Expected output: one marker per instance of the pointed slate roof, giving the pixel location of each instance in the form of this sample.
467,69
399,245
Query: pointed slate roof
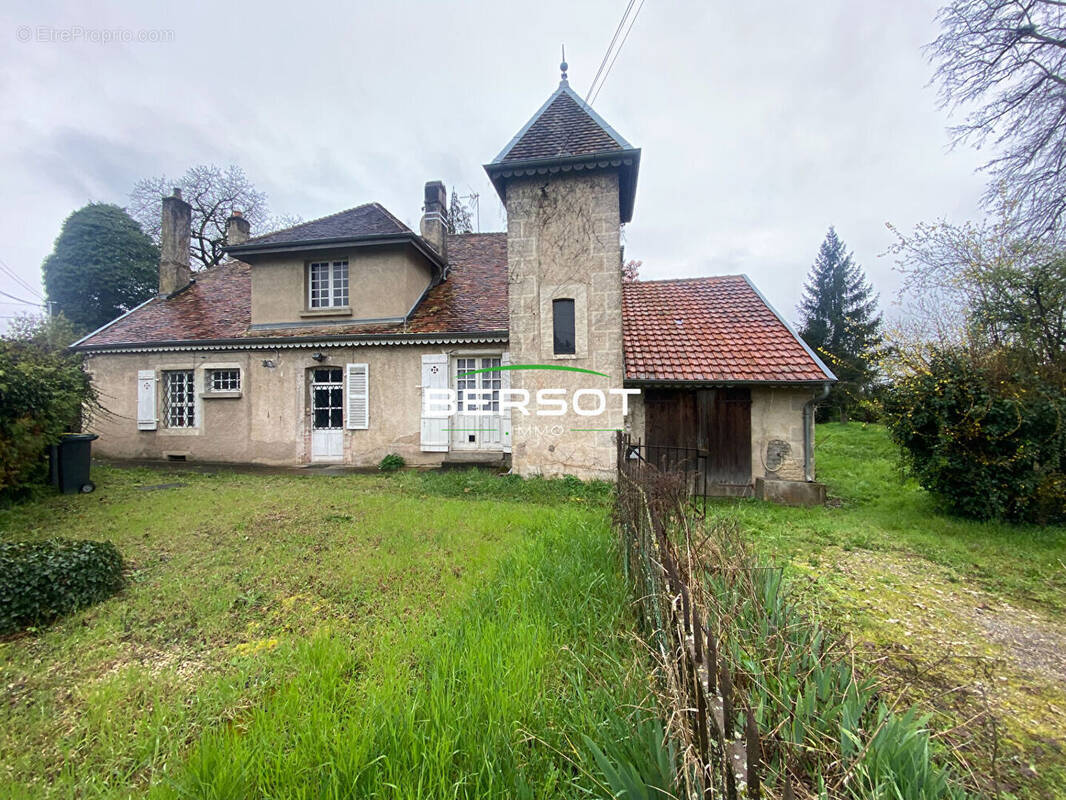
369,219
567,135
564,126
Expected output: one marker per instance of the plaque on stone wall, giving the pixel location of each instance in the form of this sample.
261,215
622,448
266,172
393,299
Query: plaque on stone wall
777,453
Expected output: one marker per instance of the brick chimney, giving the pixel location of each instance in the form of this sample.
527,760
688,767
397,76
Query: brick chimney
238,229
434,227
174,272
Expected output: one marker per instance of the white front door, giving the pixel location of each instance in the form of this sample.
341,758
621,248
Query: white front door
327,414
476,392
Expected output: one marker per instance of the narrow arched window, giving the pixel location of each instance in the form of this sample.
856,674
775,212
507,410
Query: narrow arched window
563,326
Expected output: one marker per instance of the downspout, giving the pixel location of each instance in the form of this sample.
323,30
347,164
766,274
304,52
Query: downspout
808,432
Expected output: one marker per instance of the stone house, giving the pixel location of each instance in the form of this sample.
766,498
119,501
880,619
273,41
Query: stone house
349,337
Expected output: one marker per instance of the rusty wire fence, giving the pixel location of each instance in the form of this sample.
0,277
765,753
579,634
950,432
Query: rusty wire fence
726,640
721,745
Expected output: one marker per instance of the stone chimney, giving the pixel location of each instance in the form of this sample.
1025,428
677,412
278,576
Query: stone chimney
174,272
434,227
238,229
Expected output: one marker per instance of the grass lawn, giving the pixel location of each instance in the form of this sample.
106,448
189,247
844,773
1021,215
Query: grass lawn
425,635
957,613
288,636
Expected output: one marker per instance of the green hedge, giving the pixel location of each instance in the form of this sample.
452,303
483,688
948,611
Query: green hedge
987,439
42,392
40,581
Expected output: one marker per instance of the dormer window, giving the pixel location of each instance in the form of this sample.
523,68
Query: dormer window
327,283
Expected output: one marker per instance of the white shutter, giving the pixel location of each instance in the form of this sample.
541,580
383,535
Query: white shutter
146,405
434,417
358,396
505,417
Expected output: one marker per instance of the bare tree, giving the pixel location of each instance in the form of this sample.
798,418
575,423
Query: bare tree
1003,63
214,193
460,220
982,288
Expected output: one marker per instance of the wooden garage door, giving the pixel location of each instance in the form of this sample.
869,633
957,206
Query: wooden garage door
717,422
726,415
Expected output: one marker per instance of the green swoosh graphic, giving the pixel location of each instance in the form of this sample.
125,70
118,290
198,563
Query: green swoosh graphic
510,367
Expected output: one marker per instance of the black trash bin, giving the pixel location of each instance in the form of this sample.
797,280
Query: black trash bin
69,463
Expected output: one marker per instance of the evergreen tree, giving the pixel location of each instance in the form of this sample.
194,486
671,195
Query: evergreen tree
840,322
103,265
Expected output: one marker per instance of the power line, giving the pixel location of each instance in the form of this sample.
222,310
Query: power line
621,44
19,299
610,47
5,268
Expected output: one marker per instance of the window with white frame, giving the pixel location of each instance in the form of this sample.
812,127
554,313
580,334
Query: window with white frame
224,380
465,383
477,390
327,284
179,399
490,385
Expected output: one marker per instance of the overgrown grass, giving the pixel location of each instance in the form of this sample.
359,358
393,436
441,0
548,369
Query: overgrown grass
877,508
306,624
482,483
823,724
491,704
803,683
968,618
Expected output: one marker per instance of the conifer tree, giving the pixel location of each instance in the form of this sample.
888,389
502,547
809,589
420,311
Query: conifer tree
840,322
102,266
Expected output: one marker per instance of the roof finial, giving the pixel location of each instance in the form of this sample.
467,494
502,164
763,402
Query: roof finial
563,66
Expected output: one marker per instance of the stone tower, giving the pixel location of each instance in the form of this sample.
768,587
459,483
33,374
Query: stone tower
568,181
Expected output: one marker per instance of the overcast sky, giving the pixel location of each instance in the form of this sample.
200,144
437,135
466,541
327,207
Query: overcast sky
762,123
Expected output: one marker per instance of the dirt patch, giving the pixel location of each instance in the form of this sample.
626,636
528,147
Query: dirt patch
930,605
1034,643
995,673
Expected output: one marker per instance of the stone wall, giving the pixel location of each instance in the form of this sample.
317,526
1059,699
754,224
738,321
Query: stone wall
563,241
269,423
777,433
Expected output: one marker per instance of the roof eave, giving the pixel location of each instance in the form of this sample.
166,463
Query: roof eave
342,241
258,342
829,376
667,383
626,161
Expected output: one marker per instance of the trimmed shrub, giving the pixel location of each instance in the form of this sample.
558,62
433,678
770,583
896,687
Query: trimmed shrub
391,463
40,581
987,440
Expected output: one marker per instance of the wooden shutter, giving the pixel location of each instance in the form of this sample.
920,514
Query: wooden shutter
358,406
434,416
505,416
146,404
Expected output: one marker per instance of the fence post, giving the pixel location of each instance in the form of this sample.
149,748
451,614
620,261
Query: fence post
788,794
725,683
712,663
753,753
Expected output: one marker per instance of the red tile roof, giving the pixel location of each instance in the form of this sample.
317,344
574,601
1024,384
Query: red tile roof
218,305
714,330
